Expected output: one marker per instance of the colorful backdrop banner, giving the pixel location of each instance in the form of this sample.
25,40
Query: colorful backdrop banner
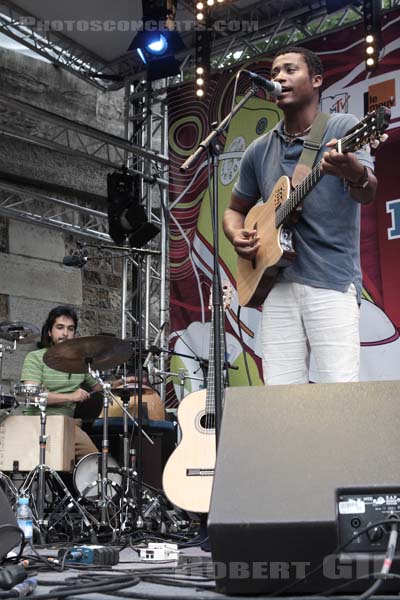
348,88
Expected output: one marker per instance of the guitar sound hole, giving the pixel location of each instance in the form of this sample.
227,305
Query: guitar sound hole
208,421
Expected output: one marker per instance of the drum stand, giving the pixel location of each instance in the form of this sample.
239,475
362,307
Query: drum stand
43,474
128,471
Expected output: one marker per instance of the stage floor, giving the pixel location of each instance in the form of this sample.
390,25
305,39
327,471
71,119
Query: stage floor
177,580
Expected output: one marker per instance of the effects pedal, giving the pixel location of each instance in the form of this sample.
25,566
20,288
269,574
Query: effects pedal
89,555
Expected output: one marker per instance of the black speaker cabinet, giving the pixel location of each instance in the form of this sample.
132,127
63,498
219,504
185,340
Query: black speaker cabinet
9,536
285,455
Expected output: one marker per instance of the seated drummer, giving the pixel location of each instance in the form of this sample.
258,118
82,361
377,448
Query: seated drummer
64,390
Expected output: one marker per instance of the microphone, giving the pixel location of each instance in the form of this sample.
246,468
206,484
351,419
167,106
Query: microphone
75,260
273,87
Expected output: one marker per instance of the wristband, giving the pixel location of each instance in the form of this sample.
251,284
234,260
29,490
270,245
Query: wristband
361,183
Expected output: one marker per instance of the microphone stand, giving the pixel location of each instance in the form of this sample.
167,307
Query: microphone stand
211,145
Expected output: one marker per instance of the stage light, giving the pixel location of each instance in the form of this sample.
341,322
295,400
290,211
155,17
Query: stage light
127,219
158,42
199,16
199,6
199,92
158,46
199,70
372,25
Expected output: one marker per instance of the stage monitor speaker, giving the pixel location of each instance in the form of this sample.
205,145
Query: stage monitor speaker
9,537
293,462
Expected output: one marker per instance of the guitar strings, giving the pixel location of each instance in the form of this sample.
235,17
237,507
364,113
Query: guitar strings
305,186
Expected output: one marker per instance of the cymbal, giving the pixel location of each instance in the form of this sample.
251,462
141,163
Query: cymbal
100,351
24,333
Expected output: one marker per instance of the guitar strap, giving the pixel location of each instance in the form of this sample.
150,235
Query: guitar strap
311,146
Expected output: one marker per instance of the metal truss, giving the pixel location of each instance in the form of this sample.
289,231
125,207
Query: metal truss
275,26
64,135
52,45
275,23
24,204
148,126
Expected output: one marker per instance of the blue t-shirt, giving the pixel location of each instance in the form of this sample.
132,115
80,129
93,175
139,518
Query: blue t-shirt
327,236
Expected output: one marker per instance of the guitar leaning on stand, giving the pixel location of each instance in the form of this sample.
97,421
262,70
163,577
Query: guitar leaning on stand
189,472
256,277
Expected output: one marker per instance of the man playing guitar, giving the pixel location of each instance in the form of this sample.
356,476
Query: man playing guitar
314,303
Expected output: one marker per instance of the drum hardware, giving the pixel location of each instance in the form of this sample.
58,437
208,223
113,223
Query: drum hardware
89,354
18,331
108,397
87,477
43,474
9,489
31,392
14,331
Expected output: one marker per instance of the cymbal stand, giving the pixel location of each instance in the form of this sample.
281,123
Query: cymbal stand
104,482
129,465
137,256
39,473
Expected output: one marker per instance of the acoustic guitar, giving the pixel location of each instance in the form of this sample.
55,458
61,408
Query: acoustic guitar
256,277
189,472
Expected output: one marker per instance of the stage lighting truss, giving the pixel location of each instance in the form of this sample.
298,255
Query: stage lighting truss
202,58
372,27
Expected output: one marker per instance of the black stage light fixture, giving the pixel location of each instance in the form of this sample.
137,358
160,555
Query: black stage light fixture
158,42
127,218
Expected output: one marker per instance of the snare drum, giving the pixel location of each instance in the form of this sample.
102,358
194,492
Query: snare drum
87,477
30,392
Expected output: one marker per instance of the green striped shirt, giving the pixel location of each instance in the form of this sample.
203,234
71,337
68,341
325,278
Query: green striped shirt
35,369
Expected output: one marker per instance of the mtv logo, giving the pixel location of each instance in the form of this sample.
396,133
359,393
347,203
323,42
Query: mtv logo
338,103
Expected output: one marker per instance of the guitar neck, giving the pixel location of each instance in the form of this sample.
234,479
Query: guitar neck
368,130
298,194
211,388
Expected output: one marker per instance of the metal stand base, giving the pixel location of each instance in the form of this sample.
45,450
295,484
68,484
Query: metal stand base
60,512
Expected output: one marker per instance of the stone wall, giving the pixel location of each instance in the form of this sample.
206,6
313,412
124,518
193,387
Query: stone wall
32,277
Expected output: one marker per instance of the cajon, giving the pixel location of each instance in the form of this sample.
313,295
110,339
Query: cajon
19,443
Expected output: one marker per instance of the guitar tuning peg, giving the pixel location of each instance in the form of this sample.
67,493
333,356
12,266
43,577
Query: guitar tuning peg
383,137
374,144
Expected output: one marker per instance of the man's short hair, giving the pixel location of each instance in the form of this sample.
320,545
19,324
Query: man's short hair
58,311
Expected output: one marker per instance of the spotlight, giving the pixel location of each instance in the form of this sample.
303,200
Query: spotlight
127,218
158,42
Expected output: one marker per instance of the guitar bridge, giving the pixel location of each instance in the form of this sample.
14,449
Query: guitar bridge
200,472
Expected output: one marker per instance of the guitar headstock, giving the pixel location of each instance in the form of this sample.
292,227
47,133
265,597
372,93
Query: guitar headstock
370,130
227,291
